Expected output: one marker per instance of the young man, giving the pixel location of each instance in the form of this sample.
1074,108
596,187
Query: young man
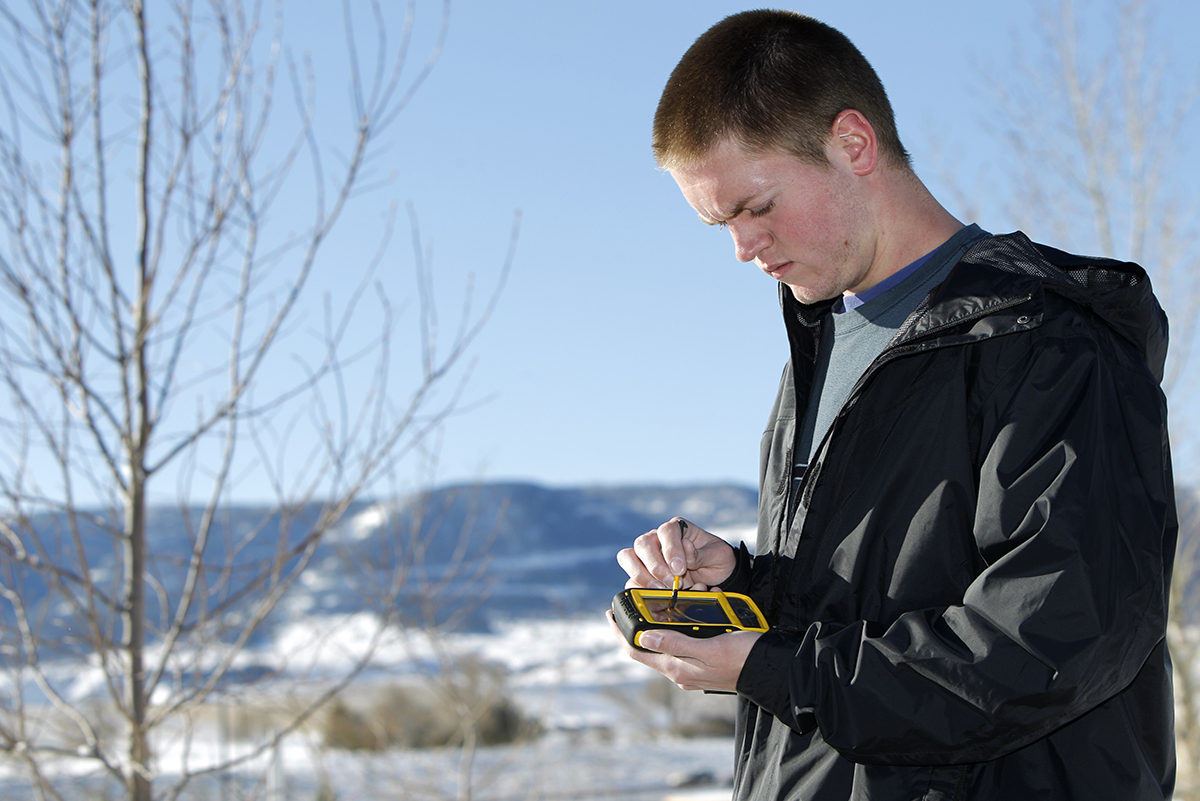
966,512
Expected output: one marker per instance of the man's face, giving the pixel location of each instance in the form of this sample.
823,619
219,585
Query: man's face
804,225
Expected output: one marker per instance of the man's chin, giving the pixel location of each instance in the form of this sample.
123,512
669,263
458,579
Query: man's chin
809,296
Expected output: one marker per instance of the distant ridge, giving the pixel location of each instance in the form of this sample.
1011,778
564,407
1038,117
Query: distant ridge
517,549
553,550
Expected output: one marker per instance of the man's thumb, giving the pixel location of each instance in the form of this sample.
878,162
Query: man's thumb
662,642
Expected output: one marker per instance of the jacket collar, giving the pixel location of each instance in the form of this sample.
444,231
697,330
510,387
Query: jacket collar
998,288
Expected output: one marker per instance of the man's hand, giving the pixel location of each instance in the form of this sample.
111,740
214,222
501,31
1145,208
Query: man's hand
677,548
713,663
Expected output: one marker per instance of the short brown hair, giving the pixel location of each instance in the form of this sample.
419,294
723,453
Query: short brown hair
770,81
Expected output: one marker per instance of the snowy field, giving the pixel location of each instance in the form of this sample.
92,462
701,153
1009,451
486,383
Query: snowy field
605,729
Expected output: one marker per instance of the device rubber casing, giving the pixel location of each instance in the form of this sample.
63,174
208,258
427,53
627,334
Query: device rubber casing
696,614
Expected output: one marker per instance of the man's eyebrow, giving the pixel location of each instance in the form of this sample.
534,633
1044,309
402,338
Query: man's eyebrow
738,208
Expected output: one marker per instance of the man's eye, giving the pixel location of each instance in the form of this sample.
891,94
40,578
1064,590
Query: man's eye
761,210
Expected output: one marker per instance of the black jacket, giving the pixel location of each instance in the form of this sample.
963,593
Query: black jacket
968,595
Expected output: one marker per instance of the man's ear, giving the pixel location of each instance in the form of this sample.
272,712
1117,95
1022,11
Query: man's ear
852,141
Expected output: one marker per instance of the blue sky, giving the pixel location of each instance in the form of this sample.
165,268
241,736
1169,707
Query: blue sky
629,345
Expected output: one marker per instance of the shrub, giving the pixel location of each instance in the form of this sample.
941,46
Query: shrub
470,702
346,729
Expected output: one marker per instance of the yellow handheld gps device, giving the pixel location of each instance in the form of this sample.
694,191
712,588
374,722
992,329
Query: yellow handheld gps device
696,614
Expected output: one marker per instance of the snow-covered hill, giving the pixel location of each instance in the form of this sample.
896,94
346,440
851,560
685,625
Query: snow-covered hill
535,567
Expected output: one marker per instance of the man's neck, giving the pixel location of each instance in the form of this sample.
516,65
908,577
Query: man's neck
913,223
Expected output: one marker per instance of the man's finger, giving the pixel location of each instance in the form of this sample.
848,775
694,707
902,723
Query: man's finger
646,561
669,643
670,536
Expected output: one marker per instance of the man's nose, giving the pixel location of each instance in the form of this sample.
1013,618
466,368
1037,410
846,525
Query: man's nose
748,239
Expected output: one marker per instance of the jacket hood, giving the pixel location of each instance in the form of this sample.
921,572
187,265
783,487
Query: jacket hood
1116,291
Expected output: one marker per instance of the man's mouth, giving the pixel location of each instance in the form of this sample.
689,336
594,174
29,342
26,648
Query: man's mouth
776,270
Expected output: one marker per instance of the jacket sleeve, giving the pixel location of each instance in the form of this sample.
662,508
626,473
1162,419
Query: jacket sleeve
1074,523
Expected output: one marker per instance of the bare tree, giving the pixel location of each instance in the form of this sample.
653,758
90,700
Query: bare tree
157,341
1093,128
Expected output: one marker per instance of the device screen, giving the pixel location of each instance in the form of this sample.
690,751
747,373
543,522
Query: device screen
746,614
689,610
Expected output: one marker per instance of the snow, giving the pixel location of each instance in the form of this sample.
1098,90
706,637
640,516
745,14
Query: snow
603,737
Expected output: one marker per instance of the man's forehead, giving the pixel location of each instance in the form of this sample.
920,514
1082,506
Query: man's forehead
722,183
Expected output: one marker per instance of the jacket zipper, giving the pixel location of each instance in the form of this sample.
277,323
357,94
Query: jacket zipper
803,493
